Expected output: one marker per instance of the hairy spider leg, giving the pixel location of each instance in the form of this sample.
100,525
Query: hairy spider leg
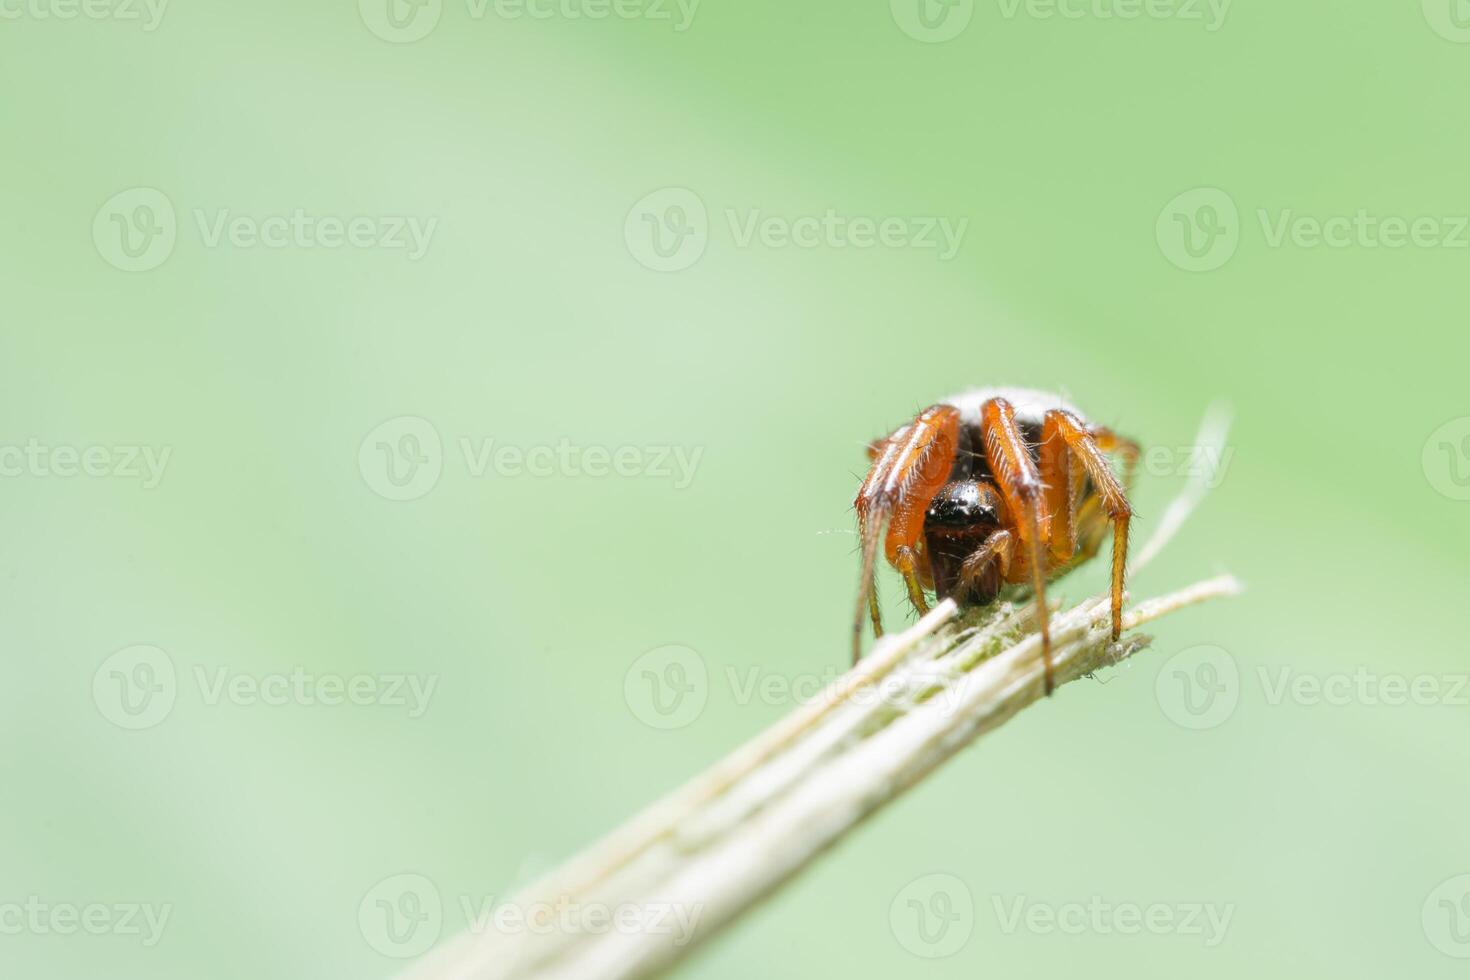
908,470
1065,445
1110,442
1020,485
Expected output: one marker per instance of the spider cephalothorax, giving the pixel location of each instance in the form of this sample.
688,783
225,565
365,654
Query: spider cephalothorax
992,487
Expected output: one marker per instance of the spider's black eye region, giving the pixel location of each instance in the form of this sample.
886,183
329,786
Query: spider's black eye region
962,503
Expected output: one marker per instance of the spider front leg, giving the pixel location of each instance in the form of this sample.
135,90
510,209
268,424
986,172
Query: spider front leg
1021,487
1110,442
908,469
1066,446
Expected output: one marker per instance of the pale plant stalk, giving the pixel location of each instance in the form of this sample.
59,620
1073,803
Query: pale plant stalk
712,849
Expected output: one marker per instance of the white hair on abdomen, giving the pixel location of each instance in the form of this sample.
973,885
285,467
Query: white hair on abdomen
1031,405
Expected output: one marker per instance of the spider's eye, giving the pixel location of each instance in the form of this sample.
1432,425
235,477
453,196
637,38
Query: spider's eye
961,504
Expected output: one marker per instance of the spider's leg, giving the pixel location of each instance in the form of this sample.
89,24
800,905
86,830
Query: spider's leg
1064,429
1061,473
907,472
1110,442
1021,487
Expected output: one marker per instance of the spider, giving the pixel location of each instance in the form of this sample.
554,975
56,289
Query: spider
993,487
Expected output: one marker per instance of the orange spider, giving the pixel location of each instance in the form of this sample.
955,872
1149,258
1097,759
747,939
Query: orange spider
993,487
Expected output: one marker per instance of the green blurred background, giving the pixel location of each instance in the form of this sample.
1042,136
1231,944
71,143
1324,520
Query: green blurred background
284,383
